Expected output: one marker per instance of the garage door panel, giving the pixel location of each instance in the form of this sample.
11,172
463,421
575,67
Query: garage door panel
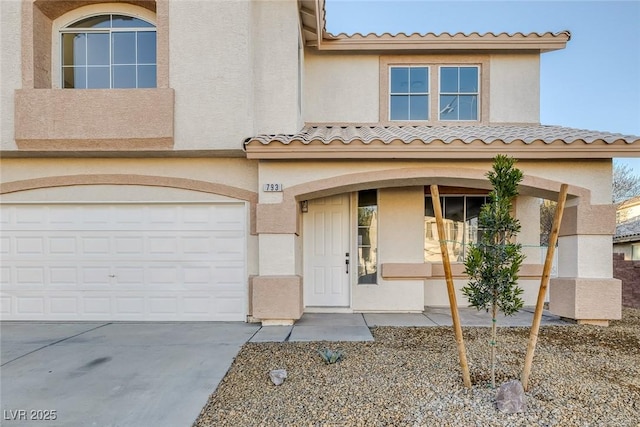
124,262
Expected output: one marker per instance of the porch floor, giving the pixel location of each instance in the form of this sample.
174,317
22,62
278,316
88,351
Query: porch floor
355,327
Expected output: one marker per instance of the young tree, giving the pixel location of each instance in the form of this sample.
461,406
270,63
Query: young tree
493,263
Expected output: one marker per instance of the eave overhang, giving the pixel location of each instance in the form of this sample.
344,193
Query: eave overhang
312,18
442,142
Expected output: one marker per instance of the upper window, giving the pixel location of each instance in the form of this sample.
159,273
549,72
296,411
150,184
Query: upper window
458,93
436,92
109,51
409,93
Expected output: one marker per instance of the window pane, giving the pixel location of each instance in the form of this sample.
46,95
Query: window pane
418,106
448,107
449,79
102,21
454,227
146,76
474,204
468,79
419,79
124,76
124,48
147,47
367,236
98,78
454,208
74,77
399,107
400,80
123,21
468,105
74,49
98,49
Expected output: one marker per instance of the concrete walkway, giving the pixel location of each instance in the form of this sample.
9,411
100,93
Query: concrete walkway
355,327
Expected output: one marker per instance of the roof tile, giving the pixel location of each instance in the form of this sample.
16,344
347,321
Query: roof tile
488,134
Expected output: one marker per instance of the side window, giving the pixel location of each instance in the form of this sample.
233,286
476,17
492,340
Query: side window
459,93
367,237
409,93
108,51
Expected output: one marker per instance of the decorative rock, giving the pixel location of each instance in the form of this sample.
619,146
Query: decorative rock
278,375
511,398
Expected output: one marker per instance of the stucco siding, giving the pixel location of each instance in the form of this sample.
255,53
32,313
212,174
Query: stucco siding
232,172
10,68
341,88
515,88
275,67
400,239
211,74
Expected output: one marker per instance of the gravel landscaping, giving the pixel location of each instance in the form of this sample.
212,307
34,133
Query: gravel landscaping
582,376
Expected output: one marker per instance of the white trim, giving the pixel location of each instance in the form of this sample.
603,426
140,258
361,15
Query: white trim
70,17
478,119
427,93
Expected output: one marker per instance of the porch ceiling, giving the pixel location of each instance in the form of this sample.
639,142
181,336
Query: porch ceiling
443,142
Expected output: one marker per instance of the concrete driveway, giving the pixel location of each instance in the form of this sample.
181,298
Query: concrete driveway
113,374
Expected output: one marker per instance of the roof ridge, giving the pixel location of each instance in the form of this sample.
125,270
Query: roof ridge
450,34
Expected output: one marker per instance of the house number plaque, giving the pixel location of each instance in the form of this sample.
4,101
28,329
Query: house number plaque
272,187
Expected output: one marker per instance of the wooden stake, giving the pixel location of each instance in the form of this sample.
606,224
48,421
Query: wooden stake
544,283
435,197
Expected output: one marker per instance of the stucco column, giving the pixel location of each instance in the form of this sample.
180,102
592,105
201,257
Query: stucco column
585,289
276,293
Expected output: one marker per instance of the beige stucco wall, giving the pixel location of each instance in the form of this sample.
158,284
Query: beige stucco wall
10,63
233,172
400,221
515,88
212,86
592,174
512,86
233,75
341,88
274,34
527,211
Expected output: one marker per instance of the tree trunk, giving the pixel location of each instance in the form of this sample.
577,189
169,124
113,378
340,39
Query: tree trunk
494,311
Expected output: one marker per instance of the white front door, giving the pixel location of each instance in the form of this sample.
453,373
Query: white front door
326,245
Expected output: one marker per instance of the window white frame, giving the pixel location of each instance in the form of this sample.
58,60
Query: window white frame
459,93
60,23
481,61
409,93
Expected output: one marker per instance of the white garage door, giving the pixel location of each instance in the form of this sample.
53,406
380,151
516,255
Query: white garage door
124,262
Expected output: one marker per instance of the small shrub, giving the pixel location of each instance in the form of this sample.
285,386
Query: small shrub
330,356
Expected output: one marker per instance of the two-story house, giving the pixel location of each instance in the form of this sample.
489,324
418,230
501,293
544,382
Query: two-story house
205,160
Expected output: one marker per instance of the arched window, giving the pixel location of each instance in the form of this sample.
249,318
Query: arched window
108,51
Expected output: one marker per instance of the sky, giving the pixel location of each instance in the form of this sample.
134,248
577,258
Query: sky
594,83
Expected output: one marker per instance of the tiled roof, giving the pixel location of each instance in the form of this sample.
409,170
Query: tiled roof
628,231
313,19
486,134
449,36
